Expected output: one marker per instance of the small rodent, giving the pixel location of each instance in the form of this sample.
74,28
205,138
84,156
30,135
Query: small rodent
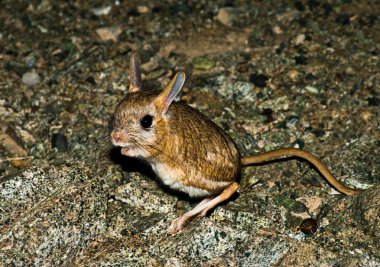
186,150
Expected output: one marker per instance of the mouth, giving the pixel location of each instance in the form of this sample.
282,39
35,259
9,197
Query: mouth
118,143
124,147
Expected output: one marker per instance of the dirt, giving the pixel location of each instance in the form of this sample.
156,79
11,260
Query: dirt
272,74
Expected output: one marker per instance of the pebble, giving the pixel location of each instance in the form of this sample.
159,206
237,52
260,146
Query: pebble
280,48
299,39
38,151
91,80
310,77
269,115
202,63
183,8
143,9
25,136
30,60
305,124
261,143
277,30
101,11
343,19
309,226
109,33
293,74
59,141
373,101
31,79
259,80
311,89
300,60
292,122
298,143
20,163
225,16
243,68
299,6
318,133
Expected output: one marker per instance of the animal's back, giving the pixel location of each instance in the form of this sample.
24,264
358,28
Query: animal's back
201,155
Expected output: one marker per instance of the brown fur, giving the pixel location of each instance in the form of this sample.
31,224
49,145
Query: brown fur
187,150
197,138
185,140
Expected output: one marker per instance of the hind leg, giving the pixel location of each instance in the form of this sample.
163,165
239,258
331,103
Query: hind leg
202,208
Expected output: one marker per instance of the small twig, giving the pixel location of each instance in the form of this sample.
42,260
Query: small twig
15,158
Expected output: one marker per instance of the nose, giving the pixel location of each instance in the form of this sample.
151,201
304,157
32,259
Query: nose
117,136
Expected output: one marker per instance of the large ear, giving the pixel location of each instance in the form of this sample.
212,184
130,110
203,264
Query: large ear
134,74
166,97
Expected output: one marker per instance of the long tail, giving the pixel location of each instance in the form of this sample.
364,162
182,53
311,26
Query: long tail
293,152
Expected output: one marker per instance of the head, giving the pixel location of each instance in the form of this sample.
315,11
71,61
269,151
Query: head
140,118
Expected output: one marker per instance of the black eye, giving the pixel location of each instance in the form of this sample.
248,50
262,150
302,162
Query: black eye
146,121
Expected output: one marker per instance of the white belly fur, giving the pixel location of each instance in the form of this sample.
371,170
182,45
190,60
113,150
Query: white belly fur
169,176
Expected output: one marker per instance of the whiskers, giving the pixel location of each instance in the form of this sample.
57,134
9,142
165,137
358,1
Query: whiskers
145,145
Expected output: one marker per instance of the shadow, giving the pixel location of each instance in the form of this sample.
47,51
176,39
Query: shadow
130,164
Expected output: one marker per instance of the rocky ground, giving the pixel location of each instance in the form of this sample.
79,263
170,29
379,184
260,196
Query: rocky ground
299,73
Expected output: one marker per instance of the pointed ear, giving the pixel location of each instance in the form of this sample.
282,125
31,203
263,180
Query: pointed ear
134,74
166,97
